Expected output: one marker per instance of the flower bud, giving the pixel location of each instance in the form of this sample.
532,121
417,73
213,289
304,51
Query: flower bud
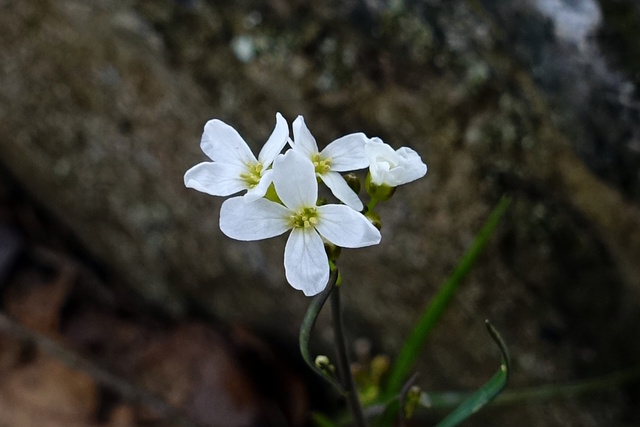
324,364
380,193
353,182
380,366
411,401
374,218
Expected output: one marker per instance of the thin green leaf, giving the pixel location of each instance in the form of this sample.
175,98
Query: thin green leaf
484,394
409,352
307,326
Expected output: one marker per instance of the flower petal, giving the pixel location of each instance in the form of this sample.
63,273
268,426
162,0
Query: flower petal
260,190
341,190
390,167
347,153
216,179
294,178
305,261
257,220
222,143
384,162
303,140
275,143
412,163
345,227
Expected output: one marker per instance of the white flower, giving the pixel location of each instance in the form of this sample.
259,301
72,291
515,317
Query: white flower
305,260
393,168
234,167
342,155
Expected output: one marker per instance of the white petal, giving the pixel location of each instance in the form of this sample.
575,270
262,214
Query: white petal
381,173
393,168
345,227
305,261
341,190
347,153
257,220
275,143
413,166
260,190
383,159
294,178
216,179
376,149
303,140
222,143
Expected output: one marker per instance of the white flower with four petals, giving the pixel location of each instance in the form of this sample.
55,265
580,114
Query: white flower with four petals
234,167
342,155
305,260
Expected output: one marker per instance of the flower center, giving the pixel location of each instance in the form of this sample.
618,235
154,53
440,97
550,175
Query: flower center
322,165
385,164
253,174
305,218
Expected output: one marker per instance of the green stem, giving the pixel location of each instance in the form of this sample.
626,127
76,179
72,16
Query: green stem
307,326
372,204
344,366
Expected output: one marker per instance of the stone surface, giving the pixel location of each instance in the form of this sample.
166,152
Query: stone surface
102,106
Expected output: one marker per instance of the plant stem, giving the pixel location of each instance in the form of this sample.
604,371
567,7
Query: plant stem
344,366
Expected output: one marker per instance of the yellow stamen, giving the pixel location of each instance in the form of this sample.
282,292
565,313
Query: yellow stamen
322,165
305,218
253,174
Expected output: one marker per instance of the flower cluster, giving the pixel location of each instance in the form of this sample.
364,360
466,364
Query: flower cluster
282,191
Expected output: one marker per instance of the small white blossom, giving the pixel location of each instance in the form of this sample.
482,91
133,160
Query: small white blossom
393,168
305,260
234,167
342,155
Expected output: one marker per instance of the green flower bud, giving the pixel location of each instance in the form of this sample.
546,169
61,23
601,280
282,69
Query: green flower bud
411,401
374,218
379,366
381,193
353,181
324,364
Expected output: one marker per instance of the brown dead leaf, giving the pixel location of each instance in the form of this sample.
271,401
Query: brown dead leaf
44,392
